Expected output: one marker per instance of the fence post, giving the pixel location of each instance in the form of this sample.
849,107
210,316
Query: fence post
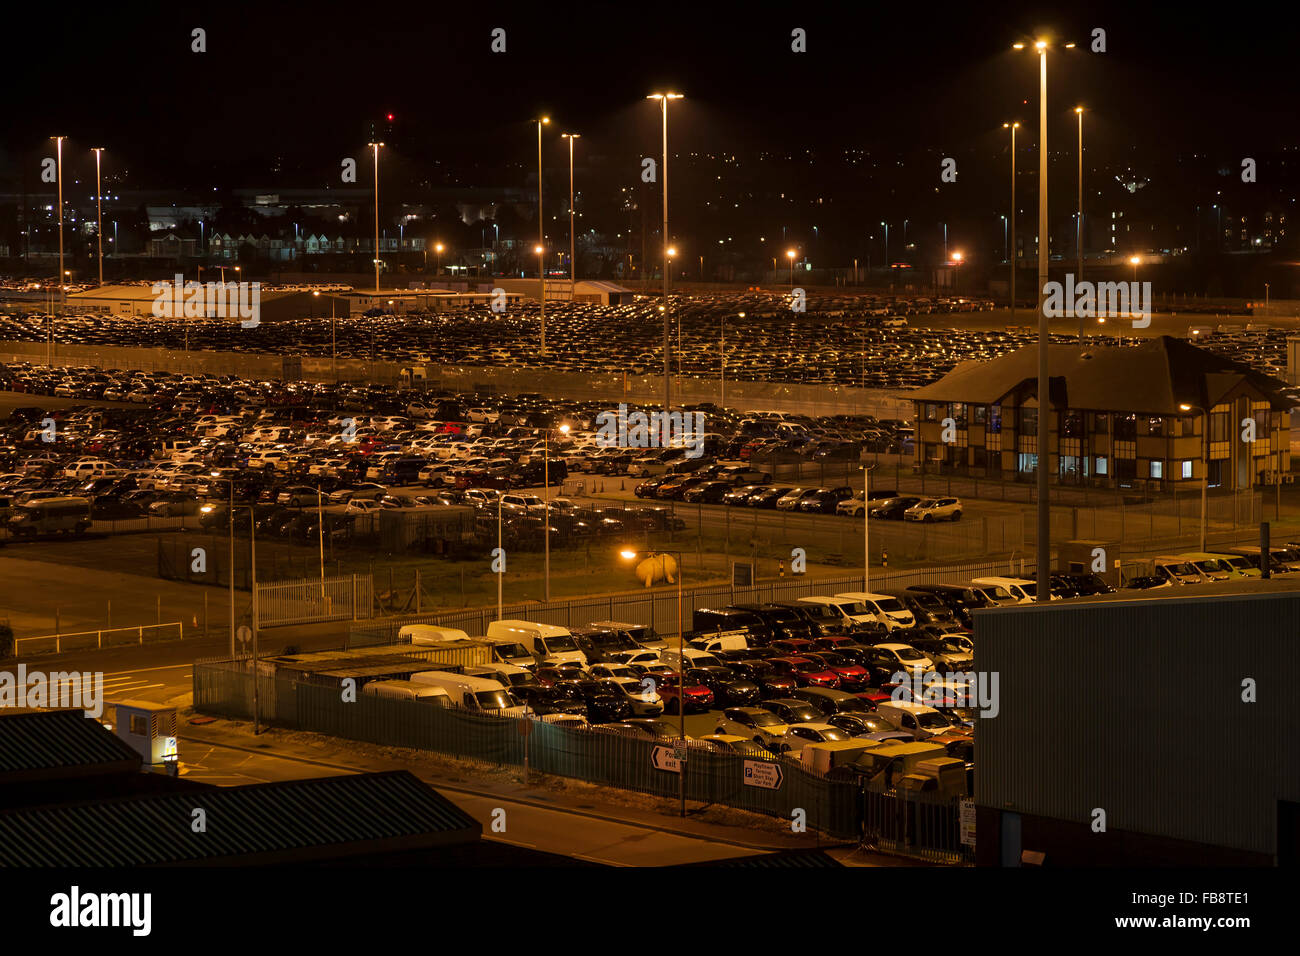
354,597
142,634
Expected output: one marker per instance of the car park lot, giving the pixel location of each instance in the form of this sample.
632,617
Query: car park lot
138,444
893,341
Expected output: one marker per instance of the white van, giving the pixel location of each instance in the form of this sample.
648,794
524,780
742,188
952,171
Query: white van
508,675
408,690
914,718
1177,571
849,612
429,634
481,695
549,644
506,651
693,657
889,611
1023,590
726,641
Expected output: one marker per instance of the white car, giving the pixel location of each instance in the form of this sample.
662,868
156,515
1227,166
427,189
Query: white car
645,702
362,506
854,507
753,723
934,509
905,657
886,609
894,322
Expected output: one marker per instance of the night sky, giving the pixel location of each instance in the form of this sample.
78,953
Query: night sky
296,86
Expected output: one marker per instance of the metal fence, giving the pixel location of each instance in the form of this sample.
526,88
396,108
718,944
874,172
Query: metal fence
898,823
98,640
347,597
832,807
658,608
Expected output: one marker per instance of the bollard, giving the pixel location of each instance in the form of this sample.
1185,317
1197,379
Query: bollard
884,557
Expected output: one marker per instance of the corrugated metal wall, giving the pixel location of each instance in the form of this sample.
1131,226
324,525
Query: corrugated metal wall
1136,708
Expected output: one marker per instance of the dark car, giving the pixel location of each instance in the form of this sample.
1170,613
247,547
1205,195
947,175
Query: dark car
870,725
767,497
821,619
824,500
604,645
832,702
709,493
960,600
707,620
793,710
782,621
604,703
729,690
760,672
558,699
891,509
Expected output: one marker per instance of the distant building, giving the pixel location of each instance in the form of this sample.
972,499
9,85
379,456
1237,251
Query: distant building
1122,418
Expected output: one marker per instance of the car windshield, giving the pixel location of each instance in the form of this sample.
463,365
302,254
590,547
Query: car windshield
908,654
890,605
495,699
765,719
932,721
510,651
801,715
1183,568
1211,564
853,609
556,645
927,503
835,734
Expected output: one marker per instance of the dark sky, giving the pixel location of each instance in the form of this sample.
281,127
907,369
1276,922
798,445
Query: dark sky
299,83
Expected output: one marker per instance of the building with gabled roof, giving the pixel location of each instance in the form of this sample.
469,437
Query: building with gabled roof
1122,417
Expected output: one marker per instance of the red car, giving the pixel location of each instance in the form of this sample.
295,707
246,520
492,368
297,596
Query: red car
831,642
806,671
697,697
793,646
852,676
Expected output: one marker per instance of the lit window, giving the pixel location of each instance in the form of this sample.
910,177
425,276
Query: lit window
1187,468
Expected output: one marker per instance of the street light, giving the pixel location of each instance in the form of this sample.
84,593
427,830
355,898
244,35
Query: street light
1013,127
99,213
438,247
663,99
1205,461
886,225
375,146
546,501
1043,592
58,144
573,259
790,254
957,258
629,555
541,235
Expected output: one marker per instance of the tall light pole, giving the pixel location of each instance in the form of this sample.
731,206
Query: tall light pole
546,501
541,234
99,213
573,259
1043,592
957,258
1078,219
663,99
438,247
790,254
1013,127
629,555
886,225
58,145
375,146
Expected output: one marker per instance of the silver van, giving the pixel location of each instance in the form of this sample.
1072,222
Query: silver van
50,515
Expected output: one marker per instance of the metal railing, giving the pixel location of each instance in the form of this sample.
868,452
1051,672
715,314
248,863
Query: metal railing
106,637
342,598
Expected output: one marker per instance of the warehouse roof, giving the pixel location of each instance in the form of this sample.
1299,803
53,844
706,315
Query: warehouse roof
292,821
58,743
1155,377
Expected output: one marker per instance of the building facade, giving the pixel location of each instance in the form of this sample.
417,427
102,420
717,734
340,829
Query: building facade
1120,418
